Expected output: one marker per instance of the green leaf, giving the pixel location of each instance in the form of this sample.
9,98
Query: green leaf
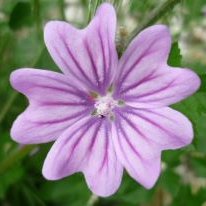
67,190
172,158
45,61
198,165
169,181
203,83
153,16
175,56
92,7
21,15
130,193
10,177
194,108
186,197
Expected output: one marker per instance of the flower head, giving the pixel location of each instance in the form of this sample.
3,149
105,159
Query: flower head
104,114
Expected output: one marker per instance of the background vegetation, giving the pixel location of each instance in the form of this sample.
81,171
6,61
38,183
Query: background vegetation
183,178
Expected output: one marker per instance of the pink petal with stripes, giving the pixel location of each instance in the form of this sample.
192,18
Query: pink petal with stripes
139,136
86,147
54,105
88,55
144,80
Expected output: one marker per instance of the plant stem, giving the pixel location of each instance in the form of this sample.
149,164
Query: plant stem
92,200
89,11
14,94
117,4
154,16
61,7
22,152
93,5
158,198
8,105
37,17
17,155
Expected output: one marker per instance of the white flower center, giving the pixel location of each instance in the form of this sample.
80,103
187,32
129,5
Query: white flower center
104,106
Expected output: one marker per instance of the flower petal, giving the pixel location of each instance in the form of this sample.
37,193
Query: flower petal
54,105
86,146
144,80
88,55
139,136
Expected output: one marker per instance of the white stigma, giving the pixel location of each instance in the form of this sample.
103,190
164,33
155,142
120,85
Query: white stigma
104,106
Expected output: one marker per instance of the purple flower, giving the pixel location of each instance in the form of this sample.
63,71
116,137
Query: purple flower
104,114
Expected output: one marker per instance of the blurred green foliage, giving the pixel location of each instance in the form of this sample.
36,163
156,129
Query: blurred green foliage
21,45
20,15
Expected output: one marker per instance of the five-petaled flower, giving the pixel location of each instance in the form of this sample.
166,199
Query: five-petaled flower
104,114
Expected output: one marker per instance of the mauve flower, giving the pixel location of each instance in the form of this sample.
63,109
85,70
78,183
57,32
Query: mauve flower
104,114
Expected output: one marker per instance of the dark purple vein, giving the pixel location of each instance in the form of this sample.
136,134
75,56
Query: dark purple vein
65,63
135,128
61,103
145,53
168,85
128,142
106,145
57,89
158,114
93,65
94,137
78,114
109,56
127,160
168,133
149,77
74,60
74,145
103,56
64,82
